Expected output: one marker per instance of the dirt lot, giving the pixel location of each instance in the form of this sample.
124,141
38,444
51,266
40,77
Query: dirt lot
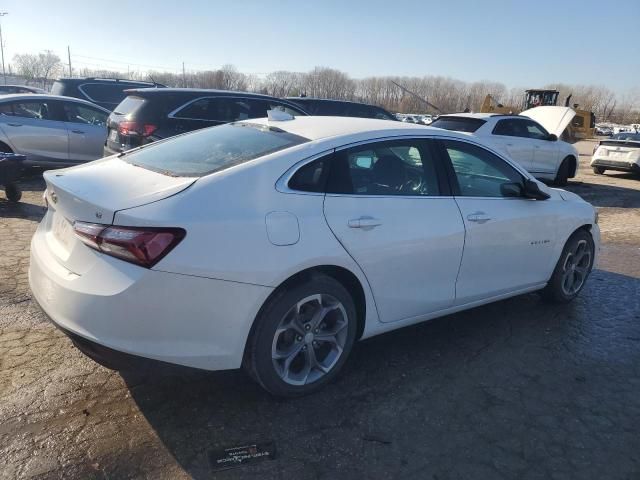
517,389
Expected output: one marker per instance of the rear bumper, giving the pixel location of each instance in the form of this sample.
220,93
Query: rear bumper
616,165
115,311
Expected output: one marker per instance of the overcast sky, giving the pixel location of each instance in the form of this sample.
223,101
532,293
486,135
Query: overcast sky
524,44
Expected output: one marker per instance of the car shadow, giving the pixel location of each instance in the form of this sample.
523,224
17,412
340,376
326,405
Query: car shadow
21,210
409,399
603,195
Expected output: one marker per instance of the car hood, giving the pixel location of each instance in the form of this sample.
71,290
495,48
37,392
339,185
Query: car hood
553,119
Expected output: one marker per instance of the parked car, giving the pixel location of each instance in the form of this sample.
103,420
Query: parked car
604,131
52,131
532,142
105,92
147,115
619,152
11,89
276,244
341,108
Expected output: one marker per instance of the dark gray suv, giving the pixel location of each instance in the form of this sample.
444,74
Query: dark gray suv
106,92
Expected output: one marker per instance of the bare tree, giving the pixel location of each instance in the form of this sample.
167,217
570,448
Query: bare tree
40,67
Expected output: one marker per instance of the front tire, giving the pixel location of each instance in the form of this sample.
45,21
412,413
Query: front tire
572,270
562,177
599,170
302,337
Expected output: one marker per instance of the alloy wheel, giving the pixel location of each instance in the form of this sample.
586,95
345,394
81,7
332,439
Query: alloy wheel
576,268
309,339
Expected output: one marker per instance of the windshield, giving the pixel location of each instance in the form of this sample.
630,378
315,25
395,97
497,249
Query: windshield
459,124
212,149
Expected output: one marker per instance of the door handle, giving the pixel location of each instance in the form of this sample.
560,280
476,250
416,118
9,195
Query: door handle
78,131
14,124
478,217
366,223
509,144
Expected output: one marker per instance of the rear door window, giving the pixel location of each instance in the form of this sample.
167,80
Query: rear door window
213,149
458,124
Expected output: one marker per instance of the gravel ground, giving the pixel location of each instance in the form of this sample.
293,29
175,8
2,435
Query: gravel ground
516,389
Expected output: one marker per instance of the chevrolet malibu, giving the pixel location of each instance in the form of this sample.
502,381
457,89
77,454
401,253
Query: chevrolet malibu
275,244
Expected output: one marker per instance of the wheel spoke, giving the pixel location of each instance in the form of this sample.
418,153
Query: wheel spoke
288,360
569,282
328,338
293,350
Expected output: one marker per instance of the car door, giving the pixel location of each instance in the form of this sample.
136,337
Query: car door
509,240
87,128
545,151
509,135
35,129
385,205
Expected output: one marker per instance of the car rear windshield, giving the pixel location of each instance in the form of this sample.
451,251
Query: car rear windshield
128,105
212,149
459,124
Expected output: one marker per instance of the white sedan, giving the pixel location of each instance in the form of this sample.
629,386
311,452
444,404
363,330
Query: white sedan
275,244
530,138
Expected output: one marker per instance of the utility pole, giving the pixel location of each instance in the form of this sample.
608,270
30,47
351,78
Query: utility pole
69,56
184,76
4,74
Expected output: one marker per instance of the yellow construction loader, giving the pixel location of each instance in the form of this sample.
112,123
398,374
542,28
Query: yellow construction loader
582,125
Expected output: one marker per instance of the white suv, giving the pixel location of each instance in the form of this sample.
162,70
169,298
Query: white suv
524,139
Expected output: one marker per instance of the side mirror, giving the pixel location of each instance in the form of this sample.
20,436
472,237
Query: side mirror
532,190
512,189
552,137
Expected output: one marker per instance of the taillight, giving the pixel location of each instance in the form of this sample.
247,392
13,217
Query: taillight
128,127
144,246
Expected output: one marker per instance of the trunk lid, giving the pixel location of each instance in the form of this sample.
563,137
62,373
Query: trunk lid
94,193
554,119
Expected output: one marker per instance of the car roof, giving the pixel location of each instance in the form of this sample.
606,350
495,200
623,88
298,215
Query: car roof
316,128
313,99
483,116
47,96
110,81
197,91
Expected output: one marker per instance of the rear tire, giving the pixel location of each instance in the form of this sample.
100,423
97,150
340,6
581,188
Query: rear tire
599,170
13,192
562,177
572,270
302,337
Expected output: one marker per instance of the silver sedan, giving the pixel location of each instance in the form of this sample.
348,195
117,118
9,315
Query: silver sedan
52,130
